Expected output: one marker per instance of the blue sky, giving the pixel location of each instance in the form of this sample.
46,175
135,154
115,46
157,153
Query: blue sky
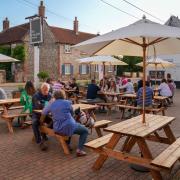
93,15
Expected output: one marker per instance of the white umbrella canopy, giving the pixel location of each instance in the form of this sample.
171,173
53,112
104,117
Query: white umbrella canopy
164,39
141,38
102,60
4,58
157,63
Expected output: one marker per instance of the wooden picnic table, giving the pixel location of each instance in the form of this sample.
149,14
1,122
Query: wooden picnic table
161,99
75,106
7,107
135,132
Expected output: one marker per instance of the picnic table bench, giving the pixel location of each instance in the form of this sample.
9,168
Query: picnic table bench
139,109
98,126
137,132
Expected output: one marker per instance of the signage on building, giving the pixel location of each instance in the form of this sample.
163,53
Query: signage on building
36,31
157,74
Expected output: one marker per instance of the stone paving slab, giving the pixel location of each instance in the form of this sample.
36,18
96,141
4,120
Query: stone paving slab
21,159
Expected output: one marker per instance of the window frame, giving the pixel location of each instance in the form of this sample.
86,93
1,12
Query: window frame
85,66
67,48
110,68
96,69
65,64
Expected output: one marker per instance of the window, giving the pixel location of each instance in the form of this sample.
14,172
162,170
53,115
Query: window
67,48
67,69
110,68
84,69
96,68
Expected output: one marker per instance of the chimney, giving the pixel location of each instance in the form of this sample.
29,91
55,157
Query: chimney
76,26
5,24
41,9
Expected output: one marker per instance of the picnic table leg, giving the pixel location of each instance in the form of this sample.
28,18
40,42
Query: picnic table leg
169,134
9,124
111,145
147,154
63,144
98,131
128,144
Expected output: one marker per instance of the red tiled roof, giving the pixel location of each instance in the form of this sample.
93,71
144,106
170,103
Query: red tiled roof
14,34
67,36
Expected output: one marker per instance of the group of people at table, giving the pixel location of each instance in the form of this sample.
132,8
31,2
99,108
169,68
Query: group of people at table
97,93
51,99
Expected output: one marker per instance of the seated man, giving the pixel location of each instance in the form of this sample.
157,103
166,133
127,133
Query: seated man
39,101
73,85
63,121
148,98
92,93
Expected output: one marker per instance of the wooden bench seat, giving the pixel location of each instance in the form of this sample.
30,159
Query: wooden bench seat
10,117
169,156
13,108
99,142
148,110
101,124
61,139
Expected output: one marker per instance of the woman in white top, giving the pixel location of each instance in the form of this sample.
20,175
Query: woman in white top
164,89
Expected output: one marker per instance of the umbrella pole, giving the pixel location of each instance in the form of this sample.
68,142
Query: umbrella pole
144,77
155,74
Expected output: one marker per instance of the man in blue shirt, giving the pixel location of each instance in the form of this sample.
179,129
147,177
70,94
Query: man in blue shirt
39,101
148,98
63,121
92,93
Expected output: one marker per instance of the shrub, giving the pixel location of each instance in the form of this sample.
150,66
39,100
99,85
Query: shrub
43,75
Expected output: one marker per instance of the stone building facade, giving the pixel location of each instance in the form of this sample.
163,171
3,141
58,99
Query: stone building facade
56,55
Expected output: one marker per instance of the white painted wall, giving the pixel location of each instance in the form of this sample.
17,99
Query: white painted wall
175,71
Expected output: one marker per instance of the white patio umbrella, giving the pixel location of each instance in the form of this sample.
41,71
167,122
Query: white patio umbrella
4,58
136,40
157,63
102,60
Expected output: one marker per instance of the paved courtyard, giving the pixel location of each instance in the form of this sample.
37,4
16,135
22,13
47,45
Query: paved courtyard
22,159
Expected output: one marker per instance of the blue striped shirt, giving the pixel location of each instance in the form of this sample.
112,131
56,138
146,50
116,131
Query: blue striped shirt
61,111
148,98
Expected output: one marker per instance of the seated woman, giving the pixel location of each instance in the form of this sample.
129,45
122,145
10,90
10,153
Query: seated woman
102,85
129,87
113,89
26,99
63,121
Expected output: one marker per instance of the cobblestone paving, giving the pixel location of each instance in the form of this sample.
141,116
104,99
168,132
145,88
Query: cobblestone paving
21,159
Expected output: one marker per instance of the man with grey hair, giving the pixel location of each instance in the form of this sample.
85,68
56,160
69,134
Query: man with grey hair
39,100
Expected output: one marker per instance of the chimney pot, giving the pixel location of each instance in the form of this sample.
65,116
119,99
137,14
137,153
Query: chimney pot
76,26
5,24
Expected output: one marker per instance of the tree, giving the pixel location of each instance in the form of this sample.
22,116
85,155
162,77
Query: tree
19,52
131,67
